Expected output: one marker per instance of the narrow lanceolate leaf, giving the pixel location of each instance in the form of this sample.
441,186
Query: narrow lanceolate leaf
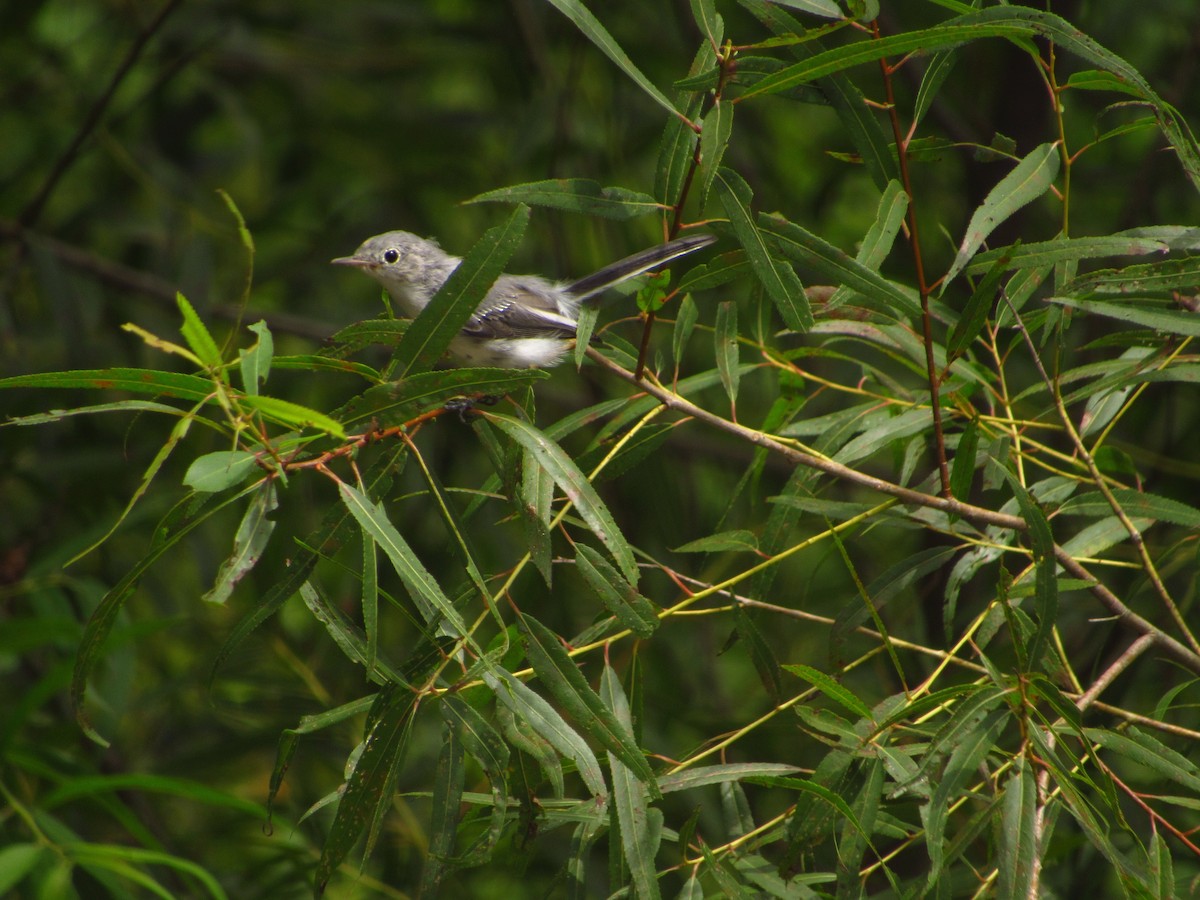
431,332
685,322
138,381
640,824
596,33
877,242
256,362
197,336
1046,253
248,543
1032,177
561,676
725,338
323,542
1144,278
575,485
1018,837
975,313
448,781
294,415
619,597
529,706
836,265
707,20
486,747
422,586
581,195
1046,587
714,138
1134,503
370,786
975,744
963,472
1144,312
677,146
777,277
831,689
397,401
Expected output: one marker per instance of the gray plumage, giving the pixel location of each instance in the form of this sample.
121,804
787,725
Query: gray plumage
523,320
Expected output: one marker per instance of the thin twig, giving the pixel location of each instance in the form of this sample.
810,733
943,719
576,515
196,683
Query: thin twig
914,240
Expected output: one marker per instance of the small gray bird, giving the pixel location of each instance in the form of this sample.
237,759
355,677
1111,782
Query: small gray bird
524,320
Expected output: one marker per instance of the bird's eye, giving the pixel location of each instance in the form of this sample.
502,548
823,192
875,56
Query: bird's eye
391,256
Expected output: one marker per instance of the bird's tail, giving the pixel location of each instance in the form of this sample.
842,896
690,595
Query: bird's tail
632,266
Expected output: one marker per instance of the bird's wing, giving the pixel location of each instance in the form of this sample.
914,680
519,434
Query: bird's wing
518,307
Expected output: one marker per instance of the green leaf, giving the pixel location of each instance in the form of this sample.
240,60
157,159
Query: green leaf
251,538
1061,249
579,195
631,609
877,242
725,338
422,586
975,313
707,20
719,270
139,381
221,469
387,332
1145,278
456,301
830,689
449,777
778,278
1041,541
562,678
575,485
294,415
1146,750
548,724
1018,834
197,336
963,472
677,146
714,138
640,824
935,75
596,33
487,748
256,362
19,860
826,8
685,322
1134,503
1031,178
368,790
324,542
1154,314
397,401
702,776
370,600
734,541
973,747
835,265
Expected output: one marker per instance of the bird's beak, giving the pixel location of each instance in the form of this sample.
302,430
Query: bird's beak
357,261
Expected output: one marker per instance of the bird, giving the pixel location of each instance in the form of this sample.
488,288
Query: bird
524,321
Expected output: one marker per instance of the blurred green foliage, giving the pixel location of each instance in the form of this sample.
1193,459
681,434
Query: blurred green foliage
326,123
